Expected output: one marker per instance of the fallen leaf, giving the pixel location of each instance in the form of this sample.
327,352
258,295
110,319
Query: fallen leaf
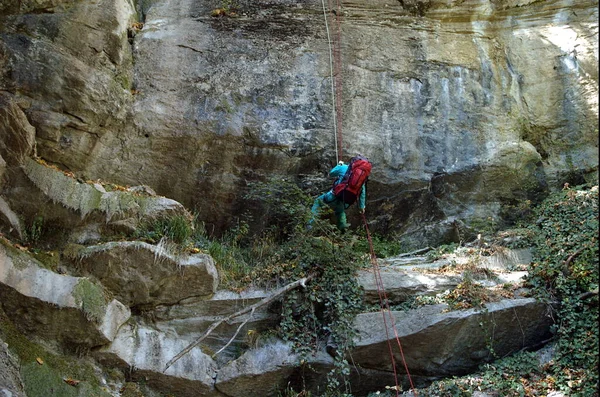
39,361
72,382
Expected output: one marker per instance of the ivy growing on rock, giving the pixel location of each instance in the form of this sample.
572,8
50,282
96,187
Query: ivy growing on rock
566,272
564,234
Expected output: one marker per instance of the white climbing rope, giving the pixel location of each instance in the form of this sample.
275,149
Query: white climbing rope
332,84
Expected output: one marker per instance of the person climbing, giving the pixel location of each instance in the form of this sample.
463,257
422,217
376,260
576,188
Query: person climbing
349,186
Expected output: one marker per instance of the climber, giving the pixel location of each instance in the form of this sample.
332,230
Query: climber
337,202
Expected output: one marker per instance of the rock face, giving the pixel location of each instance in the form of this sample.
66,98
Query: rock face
469,111
431,337
143,274
148,351
57,308
264,371
466,109
10,379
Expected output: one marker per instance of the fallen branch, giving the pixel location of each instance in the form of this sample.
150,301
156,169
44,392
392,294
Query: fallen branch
419,251
236,333
588,294
573,256
266,300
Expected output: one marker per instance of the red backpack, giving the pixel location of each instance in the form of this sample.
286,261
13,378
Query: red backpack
349,187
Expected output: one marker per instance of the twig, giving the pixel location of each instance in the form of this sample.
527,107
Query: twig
236,333
520,326
566,270
262,302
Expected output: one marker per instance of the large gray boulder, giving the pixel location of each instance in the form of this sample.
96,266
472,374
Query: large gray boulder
86,211
191,317
432,337
406,276
56,308
400,286
139,273
264,370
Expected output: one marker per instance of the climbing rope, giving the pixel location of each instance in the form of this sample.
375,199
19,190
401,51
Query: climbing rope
338,75
335,61
385,309
335,139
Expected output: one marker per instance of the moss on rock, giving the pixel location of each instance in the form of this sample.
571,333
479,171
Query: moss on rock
91,298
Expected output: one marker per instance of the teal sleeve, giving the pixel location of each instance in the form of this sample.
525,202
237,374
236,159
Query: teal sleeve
338,171
362,199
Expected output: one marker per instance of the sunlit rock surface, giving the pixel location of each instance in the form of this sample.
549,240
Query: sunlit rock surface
466,109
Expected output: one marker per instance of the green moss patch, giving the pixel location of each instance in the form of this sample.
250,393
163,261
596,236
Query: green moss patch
91,298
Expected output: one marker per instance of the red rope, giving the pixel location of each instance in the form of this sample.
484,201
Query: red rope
385,307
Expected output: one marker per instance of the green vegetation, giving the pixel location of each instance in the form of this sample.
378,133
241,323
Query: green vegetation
177,229
438,252
91,298
283,250
34,232
566,271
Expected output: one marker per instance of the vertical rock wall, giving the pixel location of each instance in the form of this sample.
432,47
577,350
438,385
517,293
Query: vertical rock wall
466,108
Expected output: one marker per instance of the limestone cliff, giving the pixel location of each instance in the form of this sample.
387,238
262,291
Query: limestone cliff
465,107
469,110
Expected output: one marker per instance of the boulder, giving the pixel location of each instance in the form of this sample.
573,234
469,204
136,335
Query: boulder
145,352
400,286
191,317
55,307
139,273
404,277
85,198
264,370
431,336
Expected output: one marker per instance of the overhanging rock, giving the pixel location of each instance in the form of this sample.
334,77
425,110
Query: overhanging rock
70,310
86,198
146,351
139,273
440,343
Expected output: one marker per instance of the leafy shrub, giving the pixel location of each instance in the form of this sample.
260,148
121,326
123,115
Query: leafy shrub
283,206
325,310
440,251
